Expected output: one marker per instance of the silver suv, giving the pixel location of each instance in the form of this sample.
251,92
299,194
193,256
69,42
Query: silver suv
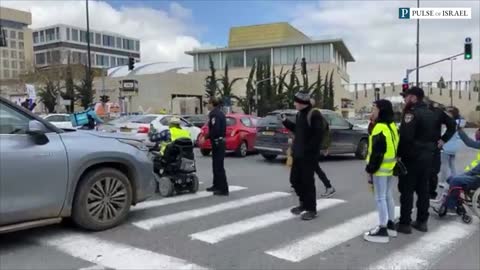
47,174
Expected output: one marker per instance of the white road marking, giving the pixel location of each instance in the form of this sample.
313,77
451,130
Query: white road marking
93,267
314,244
428,249
155,222
180,198
227,231
113,255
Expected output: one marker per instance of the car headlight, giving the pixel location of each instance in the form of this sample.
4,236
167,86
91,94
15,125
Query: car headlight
139,145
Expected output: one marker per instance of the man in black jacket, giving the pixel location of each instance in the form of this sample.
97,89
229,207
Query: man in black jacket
305,153
441,118
418,142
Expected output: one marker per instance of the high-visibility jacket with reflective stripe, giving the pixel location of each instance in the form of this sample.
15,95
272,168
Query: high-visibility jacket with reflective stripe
391,140
175,134
474,163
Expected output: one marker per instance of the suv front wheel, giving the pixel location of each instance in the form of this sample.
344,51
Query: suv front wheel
102,200
362,149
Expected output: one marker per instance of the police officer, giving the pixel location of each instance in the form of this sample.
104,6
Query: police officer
441,118
418,142
217,125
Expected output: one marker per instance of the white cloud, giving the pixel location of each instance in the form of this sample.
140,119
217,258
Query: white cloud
384,46
164,34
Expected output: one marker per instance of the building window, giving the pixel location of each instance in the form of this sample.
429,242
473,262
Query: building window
21,45
119,42
233,59
56,57
68,33
6,63
317,53
14,73
128,44
108,41
42,36
83,36
261,55
74,34
49,57
286,55
21,55
57,33
13,34
13,44
20,35
22,65
6,73
14,65
5,33
112,61
4,53
137,45
102,60
35,37
204,62
98,39
13,54
40,58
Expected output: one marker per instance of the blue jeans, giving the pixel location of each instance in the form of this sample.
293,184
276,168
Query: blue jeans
448,167
383,189
466,181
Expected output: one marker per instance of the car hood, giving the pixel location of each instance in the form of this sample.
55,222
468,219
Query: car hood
109,135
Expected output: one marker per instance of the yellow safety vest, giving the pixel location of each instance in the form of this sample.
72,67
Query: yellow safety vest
474,163
391,139
175,133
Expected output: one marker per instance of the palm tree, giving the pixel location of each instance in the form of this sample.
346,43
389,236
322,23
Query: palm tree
85,91
211,86
49,94
226,88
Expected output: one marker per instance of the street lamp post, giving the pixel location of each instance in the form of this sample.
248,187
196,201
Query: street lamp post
418,47
451,80
88,41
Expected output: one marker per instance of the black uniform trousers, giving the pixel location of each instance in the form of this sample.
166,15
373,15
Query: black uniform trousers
218,158
323,177
437,163
416,181
303,182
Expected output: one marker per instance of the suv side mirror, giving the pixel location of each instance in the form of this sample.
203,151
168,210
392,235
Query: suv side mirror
37,131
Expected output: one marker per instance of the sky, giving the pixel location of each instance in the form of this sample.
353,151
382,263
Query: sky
382,45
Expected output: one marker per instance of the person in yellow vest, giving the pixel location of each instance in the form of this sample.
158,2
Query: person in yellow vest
469,180
176,132
381,159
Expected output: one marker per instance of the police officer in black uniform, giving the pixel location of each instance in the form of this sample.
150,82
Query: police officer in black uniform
441,118
418,142
217,125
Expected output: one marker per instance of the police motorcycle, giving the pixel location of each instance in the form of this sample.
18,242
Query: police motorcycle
175,168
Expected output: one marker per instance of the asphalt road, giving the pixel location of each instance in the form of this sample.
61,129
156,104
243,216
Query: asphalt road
250,229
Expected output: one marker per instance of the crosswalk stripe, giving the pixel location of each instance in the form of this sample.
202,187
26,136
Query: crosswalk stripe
93,267
227,231
180,198
113,255
311,245
425,251
155,222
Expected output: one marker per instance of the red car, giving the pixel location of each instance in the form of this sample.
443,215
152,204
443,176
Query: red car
240,138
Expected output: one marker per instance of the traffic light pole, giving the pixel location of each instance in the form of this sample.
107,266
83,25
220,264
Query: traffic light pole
410,70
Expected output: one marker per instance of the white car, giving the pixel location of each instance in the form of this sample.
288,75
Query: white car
60,120
140,126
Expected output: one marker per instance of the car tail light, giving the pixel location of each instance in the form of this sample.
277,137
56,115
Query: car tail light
283,130
143,130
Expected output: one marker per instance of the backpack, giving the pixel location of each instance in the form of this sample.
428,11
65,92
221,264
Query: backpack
326,138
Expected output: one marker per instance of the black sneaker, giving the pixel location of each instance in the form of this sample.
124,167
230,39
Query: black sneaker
404,228
309,215
420,226
377,235
211,189
297,210
391,229
220,193
328,192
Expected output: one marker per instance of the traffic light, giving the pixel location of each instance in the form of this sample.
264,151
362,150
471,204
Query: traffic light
104,99
131,63
468,49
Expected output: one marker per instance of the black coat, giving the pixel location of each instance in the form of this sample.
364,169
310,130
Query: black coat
217,124
308,138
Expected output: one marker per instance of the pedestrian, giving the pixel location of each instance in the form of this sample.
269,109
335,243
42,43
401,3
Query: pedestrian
381,159
217,125
477,134
308,131
418,142
329,189
449,151
441,118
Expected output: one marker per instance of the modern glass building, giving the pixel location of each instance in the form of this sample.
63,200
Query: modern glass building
61,44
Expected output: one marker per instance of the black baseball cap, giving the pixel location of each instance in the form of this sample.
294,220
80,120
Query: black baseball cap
302,97
416,91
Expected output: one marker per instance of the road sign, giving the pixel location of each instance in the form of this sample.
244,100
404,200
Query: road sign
468,40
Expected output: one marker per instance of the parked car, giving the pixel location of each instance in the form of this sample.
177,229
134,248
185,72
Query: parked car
140,126
241,135
272,137
47,174
60,120
361,123
197,120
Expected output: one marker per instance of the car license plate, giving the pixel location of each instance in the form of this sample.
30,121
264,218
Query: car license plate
268,133
125,129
